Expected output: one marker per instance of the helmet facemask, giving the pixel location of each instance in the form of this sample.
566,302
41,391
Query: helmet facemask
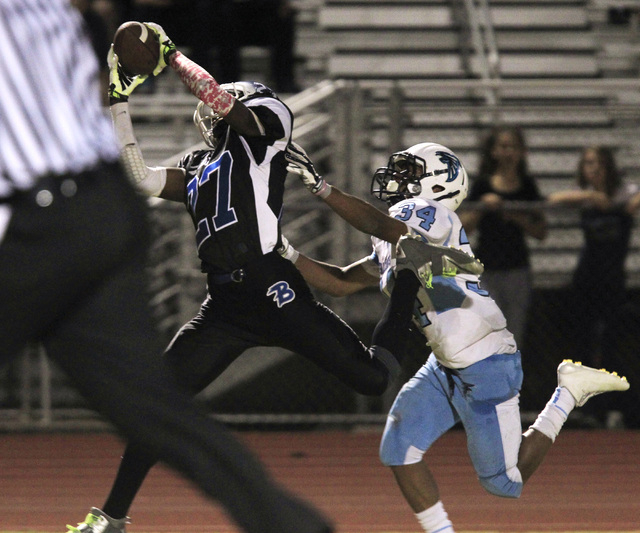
400,179
426,170
209,124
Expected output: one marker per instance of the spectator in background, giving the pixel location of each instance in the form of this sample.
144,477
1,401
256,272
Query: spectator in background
178,16
225,26
100,36
607,205
113,13
619,15
503,177
248,22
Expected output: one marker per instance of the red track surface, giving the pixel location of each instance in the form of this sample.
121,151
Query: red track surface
589,482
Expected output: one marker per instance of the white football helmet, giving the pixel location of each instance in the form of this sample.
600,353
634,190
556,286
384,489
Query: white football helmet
206,118
426,170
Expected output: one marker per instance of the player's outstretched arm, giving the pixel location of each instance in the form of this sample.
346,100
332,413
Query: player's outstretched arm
163,182
328,278
360,214
204,86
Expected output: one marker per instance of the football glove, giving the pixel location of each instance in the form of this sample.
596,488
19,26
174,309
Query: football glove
298,162
427,260
121,85
167,48
287,251
410,256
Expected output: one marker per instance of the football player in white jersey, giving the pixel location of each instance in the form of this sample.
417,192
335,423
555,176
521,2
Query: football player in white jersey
473,374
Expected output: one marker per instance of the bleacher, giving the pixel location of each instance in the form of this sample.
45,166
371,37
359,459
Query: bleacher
410,39
409,45
619,50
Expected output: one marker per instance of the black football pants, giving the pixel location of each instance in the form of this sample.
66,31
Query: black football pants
72,276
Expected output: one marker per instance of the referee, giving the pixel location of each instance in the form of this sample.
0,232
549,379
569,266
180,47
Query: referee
73,241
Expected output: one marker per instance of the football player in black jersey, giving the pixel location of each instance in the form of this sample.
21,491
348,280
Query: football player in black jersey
234,193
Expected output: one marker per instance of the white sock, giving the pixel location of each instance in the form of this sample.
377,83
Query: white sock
554,415
435,519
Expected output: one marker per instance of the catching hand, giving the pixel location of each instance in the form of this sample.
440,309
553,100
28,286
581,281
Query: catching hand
121,85
167,48
298,162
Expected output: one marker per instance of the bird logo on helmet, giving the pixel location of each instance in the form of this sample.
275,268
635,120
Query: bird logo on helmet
425,170
206,119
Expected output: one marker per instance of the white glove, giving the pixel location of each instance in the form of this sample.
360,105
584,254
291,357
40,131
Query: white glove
298,162
287,251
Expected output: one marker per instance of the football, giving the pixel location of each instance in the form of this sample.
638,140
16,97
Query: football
137,48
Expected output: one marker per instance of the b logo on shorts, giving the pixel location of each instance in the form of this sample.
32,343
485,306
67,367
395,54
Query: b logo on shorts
281,293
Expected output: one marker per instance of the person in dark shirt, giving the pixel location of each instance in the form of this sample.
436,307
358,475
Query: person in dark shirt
269,23
503,221
217,46
607,204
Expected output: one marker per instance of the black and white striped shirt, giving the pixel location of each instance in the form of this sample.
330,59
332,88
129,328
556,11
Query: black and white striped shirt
51,117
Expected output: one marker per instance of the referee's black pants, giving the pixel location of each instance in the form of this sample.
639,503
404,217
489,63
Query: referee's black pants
72,276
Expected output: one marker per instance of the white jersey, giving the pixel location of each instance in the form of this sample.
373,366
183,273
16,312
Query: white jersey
461,322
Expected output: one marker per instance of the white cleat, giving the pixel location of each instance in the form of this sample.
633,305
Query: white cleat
583,382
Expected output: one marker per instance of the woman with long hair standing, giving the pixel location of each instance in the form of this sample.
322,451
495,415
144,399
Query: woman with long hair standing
607,204
501,190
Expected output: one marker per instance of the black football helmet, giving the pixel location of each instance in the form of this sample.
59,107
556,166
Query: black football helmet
206,119
426,170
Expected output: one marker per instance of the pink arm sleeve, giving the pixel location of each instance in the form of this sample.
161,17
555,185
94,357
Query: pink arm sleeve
202,84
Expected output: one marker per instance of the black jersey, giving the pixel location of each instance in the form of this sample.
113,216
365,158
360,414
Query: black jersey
502,244
234,193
